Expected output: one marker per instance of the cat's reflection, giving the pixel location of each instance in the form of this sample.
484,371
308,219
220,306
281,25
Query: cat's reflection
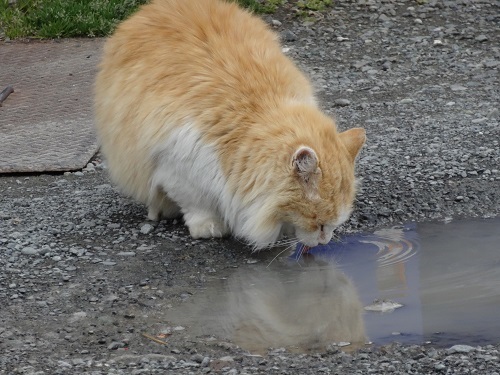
302,307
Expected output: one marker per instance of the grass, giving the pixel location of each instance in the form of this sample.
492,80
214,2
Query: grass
63,18
316,5
266,6
91,18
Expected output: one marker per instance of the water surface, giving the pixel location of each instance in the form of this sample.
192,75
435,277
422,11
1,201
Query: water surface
446,276
443,281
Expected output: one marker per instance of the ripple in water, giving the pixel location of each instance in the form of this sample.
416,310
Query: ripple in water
395,245
430,282
437,282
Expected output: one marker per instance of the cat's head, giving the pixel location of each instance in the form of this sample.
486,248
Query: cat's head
322,187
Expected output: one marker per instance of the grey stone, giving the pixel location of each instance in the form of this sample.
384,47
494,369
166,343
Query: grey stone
457,88
494,113
116,345
288,36
197,358
460,349
439,366
205,362
490,63
384,18
126,253
29,251
146,228
341,102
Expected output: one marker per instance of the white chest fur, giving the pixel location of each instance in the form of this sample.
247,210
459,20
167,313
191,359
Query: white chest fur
188,169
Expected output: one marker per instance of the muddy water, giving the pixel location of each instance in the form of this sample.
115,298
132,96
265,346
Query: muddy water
430,282
302,306
445,276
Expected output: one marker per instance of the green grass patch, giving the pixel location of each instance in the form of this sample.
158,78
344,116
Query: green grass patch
63,18
263,6
81,18
316,5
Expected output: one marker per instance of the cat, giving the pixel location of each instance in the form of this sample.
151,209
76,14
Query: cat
200,114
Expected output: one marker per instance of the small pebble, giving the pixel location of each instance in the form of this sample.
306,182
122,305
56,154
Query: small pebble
126,253
116,345
342,102
29,251
146,228
460,349
288,36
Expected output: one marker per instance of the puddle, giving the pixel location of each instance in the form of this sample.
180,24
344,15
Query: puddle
302,306
431,282
446,276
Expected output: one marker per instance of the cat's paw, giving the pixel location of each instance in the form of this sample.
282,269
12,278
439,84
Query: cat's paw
160,206
170,211
207,228
153,213
167,212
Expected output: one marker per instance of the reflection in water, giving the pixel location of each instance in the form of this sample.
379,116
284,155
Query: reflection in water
300,308
384,267
446,276
303,306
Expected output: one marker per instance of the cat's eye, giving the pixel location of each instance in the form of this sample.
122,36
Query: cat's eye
322,227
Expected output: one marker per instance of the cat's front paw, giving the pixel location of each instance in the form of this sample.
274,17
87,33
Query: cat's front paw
208,228
161,206
153,214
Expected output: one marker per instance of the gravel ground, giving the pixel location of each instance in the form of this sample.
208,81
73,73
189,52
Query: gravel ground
83,273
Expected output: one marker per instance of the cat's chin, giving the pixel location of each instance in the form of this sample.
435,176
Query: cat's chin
313,239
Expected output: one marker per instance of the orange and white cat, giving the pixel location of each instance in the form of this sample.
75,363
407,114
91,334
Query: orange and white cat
200,113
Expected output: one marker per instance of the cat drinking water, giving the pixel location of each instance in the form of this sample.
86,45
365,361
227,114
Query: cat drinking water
200,114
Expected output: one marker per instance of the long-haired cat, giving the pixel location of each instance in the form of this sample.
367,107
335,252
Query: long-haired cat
199,113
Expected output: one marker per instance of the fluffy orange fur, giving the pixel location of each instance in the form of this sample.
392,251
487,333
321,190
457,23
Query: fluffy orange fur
214,65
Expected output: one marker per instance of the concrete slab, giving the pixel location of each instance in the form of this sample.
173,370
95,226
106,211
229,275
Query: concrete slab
46,125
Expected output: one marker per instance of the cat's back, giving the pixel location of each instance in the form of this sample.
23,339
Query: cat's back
201,53
166,63
178,62
182,36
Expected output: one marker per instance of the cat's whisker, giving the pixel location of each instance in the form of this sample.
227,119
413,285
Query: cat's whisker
301,251
336,237
288,242
281,252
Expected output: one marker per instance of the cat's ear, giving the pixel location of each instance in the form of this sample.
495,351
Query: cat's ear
353,140
305,164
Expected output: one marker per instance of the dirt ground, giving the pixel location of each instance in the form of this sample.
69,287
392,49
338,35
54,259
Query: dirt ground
86,280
